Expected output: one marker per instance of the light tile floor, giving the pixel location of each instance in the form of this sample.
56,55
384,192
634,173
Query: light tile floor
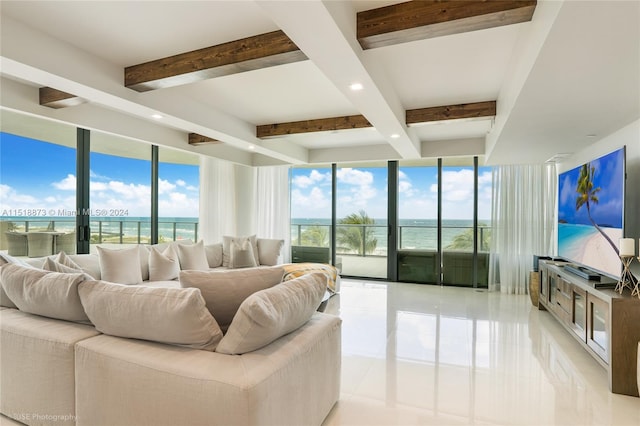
428,355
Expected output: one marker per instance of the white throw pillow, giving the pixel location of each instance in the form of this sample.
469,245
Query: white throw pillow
39,292
224,291
63,259
53,266
5,259
120,266
214,254
163,266
193,256
144,262
176,316
269,251
269,314
226,247
241,255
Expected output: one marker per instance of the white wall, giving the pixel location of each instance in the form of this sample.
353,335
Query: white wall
628,136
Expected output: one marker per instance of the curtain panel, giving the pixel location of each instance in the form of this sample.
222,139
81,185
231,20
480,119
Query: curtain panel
273,214
523,223
217,199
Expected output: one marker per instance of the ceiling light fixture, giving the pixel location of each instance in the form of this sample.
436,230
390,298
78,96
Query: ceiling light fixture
156,116
395,136
356,86
252,147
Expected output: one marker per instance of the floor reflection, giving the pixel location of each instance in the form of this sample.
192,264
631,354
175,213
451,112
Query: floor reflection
418,354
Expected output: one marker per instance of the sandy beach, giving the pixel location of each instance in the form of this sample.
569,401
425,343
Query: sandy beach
598,253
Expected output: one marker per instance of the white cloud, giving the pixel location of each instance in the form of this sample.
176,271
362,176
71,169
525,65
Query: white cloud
314,177
164,186
180,182
131,191
354,176
66,184
313,204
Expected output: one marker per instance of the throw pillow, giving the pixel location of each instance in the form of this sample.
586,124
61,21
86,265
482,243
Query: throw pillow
144,262
65,260
193,256
53,266
163,266
90,268
120,266
214,254
5,259
224,291
175,316
242,255
39,292
269,314
226,247
269,251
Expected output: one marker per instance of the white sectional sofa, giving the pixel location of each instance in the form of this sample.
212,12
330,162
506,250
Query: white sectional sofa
138,357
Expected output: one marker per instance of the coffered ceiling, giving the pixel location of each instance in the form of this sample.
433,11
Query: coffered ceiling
513,81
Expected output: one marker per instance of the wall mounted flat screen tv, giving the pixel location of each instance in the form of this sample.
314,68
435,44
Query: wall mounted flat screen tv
591,213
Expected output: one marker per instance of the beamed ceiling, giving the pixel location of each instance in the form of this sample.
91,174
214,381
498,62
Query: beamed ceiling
269,82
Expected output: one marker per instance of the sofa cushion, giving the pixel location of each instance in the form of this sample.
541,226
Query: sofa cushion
176,316
49,294
269,314
241,255
214,254
224,291
89,263
120,266
163,266
269,251
226,247
192,256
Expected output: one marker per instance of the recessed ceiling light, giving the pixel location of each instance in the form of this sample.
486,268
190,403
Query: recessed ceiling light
356,86
395,136
156,116
592,135
252,147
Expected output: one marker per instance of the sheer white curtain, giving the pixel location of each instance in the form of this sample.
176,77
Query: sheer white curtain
217,199
273,215
523,223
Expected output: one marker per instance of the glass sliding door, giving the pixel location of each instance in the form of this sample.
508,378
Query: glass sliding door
361,219
485,197
178,195
458,222
418,221
311,207
120,191
37,186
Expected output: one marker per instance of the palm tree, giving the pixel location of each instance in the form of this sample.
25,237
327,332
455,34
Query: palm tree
464,240
587,194
316,236
355,238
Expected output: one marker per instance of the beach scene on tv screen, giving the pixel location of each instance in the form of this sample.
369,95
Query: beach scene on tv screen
590,213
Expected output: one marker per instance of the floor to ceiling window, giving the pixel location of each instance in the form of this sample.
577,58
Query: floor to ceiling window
418,221
37,187
178,195
120,191
443,219
311,213
361,219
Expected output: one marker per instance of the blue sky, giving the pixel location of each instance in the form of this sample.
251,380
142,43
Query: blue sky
37,175
609,177
366,189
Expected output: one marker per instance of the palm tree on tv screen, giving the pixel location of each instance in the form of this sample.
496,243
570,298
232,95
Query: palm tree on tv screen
587,194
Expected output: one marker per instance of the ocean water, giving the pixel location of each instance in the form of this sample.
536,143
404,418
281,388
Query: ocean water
414,233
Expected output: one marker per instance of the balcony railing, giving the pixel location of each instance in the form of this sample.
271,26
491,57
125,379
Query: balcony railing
410,237
112,231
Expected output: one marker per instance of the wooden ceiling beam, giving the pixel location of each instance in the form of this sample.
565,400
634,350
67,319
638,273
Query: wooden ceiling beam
417,20
308,126
451,112
413,116
54,98
196,140
247,54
